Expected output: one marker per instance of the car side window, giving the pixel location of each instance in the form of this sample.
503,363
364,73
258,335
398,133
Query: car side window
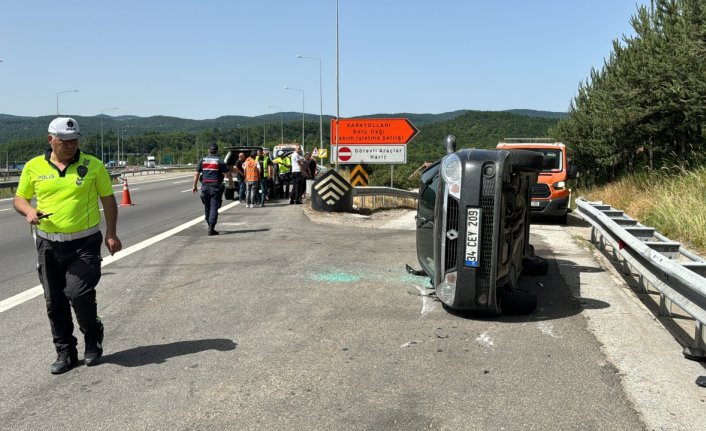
429,183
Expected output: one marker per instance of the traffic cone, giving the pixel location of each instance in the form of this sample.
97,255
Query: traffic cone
126,194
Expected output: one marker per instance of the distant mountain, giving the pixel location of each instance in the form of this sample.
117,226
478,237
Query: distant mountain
538,114
17,128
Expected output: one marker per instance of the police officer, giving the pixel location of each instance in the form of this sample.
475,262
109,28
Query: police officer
263,159
284,166
211,169
67,184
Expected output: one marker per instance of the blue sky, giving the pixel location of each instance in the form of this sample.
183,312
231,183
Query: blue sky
208,58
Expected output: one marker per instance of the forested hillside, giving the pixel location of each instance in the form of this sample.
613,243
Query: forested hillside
645,108
174,140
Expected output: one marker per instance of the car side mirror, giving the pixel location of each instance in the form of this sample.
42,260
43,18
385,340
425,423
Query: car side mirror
450,144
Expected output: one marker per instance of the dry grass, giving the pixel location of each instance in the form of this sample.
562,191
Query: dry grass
672,201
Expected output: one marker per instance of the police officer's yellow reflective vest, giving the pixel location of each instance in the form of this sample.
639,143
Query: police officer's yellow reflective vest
265,161
284,163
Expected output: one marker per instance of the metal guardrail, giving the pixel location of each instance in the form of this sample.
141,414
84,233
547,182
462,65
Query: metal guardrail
141,171
677,274
373,191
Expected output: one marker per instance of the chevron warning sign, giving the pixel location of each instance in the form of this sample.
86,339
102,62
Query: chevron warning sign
331,188
359,177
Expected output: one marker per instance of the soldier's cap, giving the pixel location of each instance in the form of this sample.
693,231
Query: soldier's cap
65,128
213,146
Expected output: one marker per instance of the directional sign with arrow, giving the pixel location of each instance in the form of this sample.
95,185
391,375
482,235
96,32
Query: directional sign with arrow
371,140
372,131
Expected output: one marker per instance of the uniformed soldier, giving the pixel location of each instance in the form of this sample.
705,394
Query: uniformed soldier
211,170
67,184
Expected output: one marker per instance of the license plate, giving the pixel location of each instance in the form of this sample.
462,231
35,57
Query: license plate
472,258
534,203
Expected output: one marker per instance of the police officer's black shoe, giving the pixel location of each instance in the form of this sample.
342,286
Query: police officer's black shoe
212,230
64,362
94,349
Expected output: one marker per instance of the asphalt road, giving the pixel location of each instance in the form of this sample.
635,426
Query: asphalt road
283,323
160,202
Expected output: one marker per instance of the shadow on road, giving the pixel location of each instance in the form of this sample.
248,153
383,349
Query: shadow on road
557,296
158,354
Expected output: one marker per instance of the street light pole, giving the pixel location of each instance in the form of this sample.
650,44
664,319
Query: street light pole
321,101
281,123
102,111
302,91
337,86
57,98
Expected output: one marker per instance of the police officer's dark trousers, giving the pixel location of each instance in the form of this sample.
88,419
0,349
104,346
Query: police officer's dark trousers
212,197
69,272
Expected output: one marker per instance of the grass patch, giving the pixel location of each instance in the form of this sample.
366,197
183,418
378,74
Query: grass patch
673,201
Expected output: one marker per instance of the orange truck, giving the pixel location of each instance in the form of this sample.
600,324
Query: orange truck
551,194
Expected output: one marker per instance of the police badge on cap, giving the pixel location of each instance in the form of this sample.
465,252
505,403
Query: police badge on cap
65,128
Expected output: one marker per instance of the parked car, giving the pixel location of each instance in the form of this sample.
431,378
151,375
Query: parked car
473,228
231,156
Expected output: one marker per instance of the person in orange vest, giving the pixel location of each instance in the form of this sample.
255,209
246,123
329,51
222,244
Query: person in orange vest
252,178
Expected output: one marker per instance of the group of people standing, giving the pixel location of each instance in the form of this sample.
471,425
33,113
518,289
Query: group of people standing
262,178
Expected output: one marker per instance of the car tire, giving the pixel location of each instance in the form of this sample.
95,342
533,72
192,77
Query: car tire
535,266
517,302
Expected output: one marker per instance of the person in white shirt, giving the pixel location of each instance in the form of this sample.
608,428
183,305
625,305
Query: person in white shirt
297,164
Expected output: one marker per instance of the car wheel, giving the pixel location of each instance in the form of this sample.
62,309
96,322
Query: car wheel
534,266
517,302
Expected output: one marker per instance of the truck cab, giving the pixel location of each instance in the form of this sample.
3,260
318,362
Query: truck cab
551,194
150,162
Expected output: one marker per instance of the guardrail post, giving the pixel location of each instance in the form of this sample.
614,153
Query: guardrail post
642,284
665,306
696,352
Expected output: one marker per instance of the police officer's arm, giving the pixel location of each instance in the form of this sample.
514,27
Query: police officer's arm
196,177
24,207
110,209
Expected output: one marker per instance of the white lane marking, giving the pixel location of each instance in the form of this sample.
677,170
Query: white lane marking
22,297
6,209
152,181
427,303
184,191
484,340
179,182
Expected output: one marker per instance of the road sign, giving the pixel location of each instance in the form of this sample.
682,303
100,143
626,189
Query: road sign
332,188
344,154
372,131
372,154
359,176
